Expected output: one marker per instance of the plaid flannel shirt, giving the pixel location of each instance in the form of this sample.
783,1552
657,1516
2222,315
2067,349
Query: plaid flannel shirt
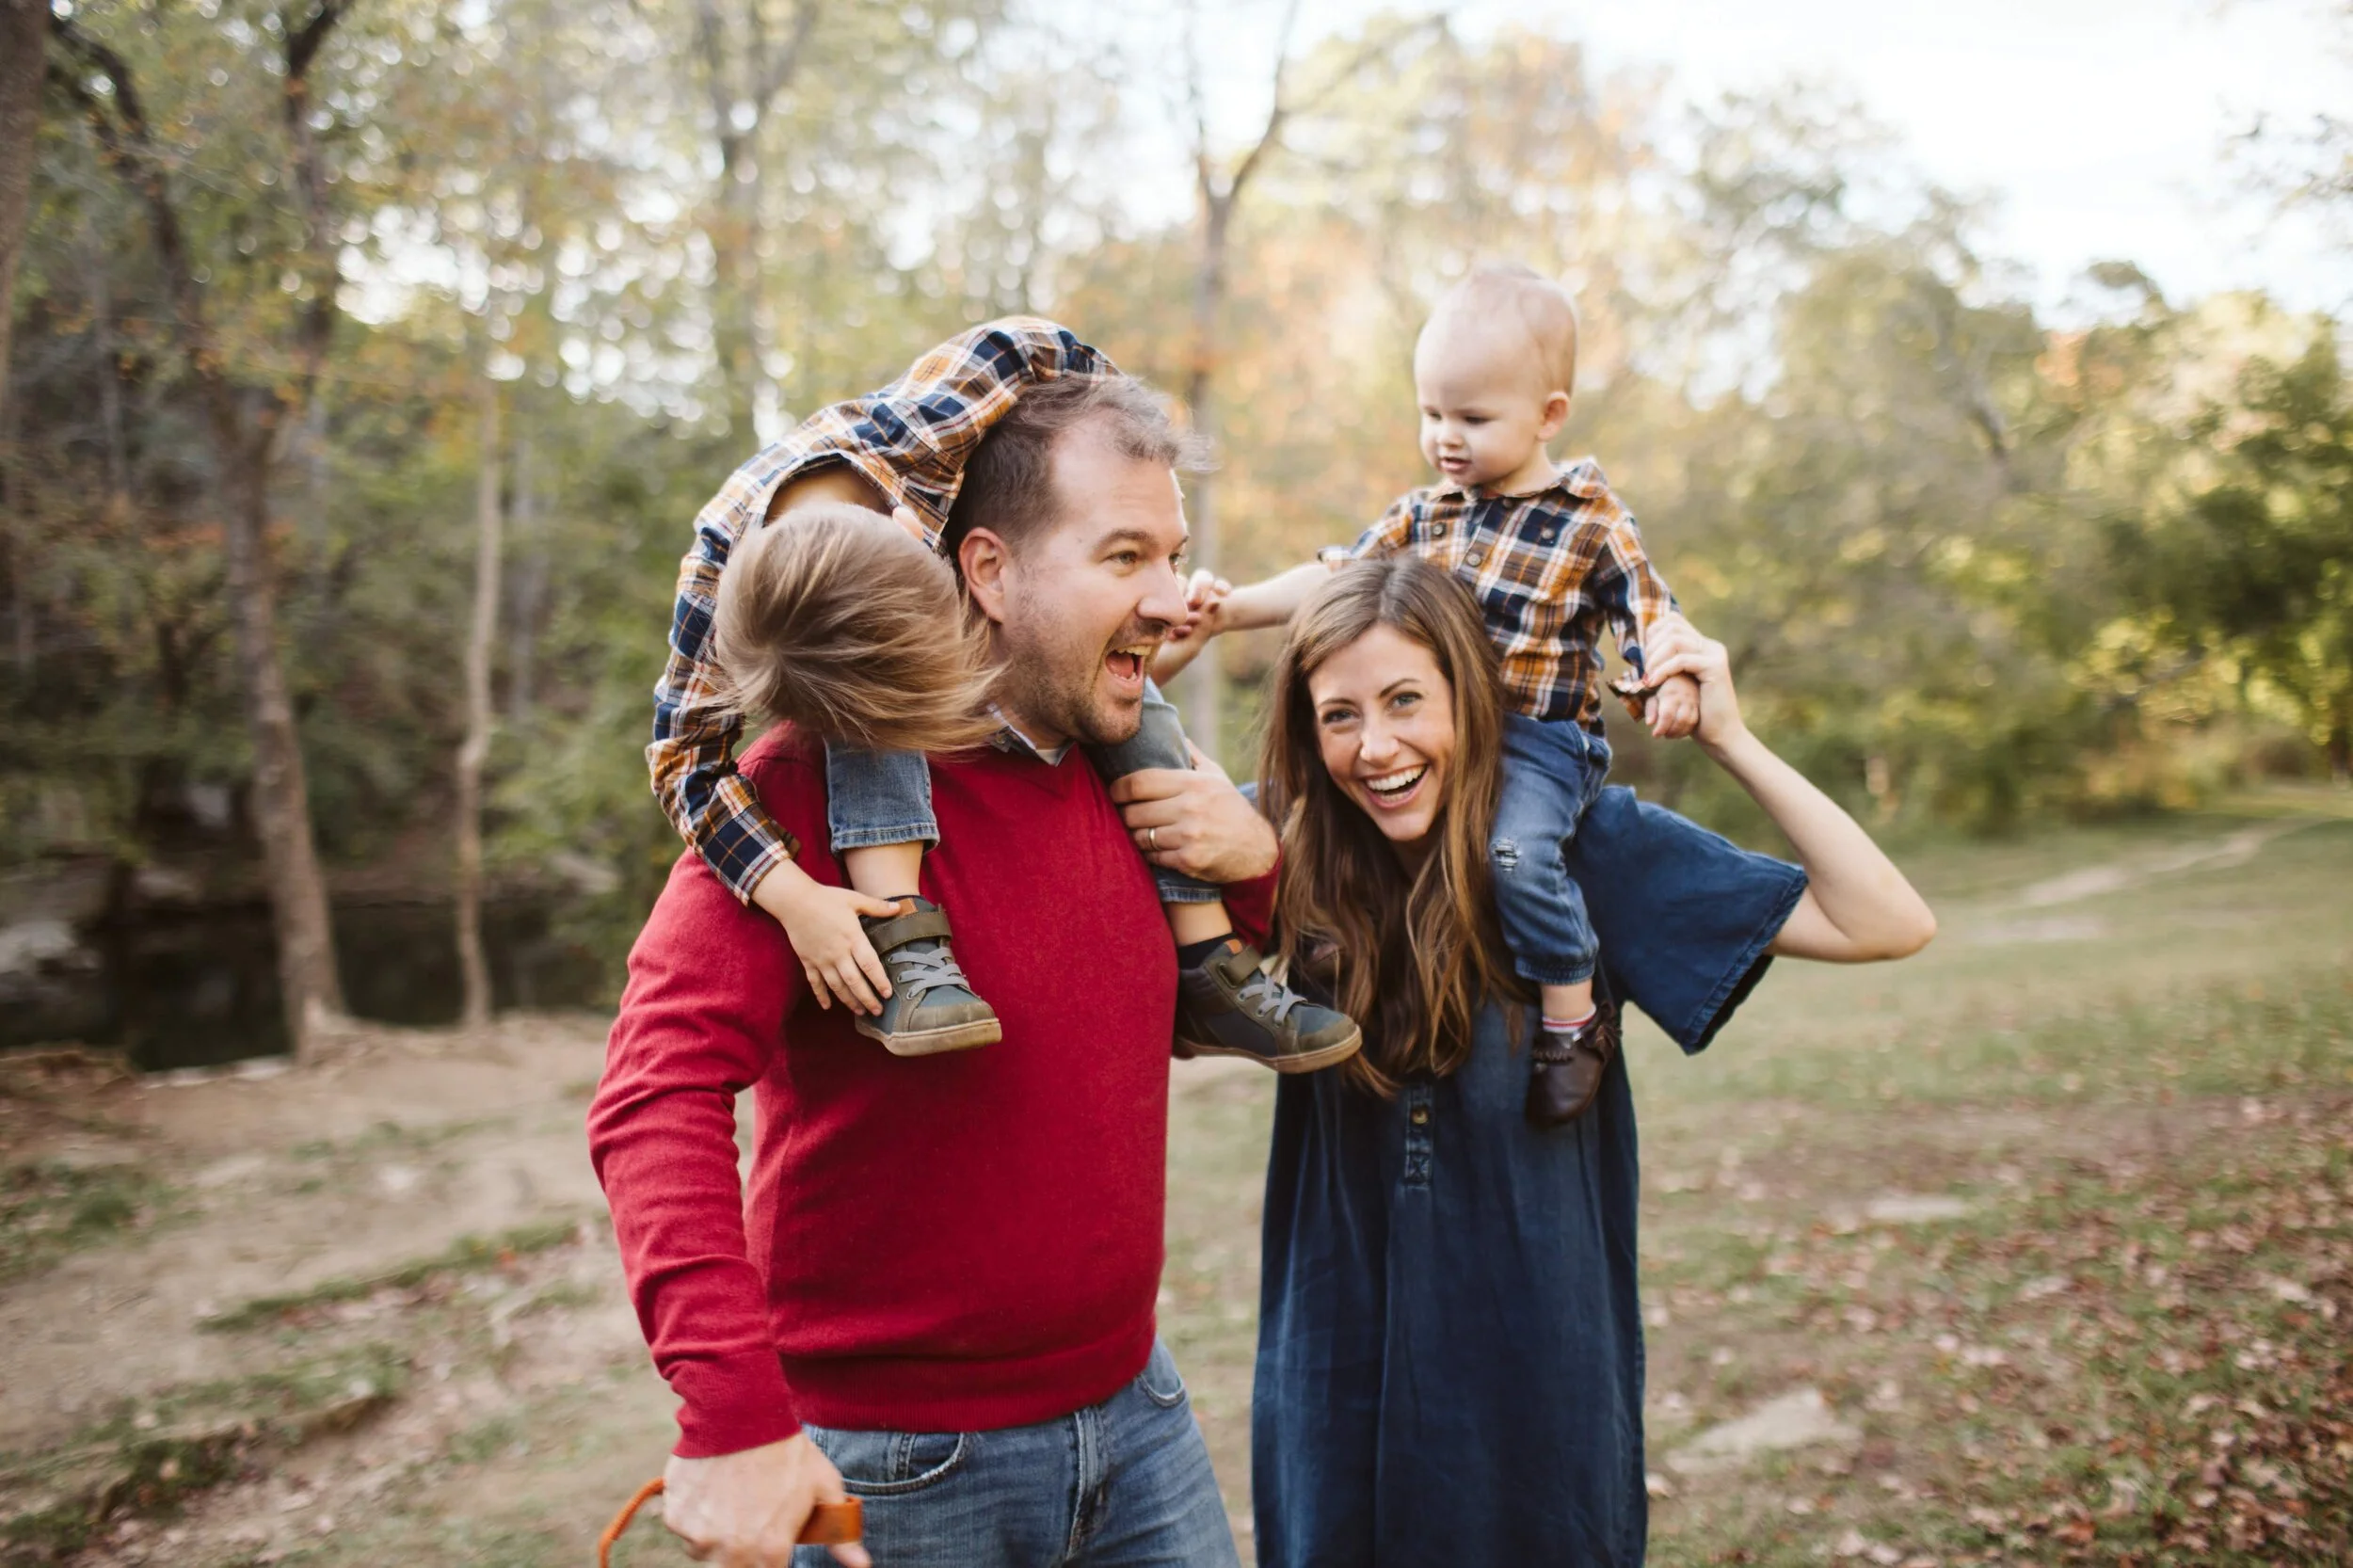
1549,569
910,440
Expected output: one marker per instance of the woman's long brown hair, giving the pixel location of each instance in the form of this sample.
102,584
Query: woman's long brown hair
1410,958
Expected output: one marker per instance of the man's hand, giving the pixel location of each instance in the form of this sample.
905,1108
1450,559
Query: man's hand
745,1510
821,924
1192,820
1674,708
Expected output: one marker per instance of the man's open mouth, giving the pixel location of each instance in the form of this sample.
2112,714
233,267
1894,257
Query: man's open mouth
1128,665
1393,789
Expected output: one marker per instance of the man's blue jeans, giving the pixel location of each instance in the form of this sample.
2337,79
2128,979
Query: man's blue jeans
884,797
1552,771
1119,1484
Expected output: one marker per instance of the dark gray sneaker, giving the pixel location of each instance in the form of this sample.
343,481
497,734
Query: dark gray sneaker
930,1007
1229,1006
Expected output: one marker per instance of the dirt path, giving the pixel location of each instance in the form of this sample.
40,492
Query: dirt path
2130,872
283,1184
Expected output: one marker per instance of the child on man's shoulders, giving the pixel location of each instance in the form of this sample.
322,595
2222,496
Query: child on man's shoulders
1554,559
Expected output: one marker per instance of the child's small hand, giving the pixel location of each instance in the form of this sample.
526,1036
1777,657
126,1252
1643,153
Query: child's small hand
1673,710
821,922
1205,600
905,516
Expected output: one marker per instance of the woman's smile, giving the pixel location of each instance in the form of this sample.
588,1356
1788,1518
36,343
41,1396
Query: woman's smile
1395,791
1384,722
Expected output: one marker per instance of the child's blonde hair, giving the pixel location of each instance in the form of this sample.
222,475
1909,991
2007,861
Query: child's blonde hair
1509,291
833,619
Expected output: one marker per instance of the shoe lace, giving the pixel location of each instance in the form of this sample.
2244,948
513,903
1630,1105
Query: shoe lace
1269,999
932,969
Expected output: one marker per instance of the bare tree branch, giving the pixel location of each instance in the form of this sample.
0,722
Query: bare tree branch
713,46
1371,49
1284,109
1202,168
120,123
781,68
1277,111
302,45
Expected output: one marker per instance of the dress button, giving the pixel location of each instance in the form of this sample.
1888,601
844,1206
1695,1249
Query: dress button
1437,530
1420,1115
1548,535
1475,557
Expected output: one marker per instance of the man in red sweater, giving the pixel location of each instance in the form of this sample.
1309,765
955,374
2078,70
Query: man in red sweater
940,1294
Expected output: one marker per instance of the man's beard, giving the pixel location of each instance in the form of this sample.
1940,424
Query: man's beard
1047,680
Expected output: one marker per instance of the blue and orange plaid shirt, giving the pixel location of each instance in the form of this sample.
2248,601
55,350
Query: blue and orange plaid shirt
1550,569
911,442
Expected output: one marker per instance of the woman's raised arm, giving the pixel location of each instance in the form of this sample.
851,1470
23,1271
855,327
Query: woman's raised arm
1858,907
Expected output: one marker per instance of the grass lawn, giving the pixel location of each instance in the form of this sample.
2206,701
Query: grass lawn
2054,1217
2045,1231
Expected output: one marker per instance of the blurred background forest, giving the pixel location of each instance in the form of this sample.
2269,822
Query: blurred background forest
349,340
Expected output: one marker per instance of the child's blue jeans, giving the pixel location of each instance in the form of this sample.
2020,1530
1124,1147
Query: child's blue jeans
884,797
1552,771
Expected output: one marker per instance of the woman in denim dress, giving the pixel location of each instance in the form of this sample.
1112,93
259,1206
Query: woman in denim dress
1451,1345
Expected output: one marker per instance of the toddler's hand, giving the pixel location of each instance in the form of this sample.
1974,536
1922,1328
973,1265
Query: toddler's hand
1673,710
821,922
1205,604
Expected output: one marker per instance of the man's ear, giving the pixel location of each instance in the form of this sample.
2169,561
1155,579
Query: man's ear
1556,415
983,559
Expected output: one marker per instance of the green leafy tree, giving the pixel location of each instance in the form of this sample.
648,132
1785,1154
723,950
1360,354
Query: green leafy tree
2256,566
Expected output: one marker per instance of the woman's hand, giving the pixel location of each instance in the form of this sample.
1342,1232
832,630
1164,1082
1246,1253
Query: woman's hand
1857,908
1676,648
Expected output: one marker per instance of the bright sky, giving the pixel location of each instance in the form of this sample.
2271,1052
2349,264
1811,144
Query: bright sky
2097,126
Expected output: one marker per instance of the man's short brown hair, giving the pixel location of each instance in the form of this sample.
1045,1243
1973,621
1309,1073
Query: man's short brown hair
833,619
1009,484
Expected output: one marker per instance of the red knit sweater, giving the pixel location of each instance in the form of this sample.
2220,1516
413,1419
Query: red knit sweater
932,1245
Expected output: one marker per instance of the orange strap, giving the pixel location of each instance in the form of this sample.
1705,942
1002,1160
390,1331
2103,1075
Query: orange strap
829,1524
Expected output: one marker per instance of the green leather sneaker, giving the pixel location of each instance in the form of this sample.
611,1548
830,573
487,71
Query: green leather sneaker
1229,1006
930,1007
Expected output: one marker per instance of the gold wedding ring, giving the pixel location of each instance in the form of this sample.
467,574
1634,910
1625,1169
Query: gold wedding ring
1152,839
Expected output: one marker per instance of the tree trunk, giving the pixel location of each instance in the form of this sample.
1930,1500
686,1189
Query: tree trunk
24,48
282,798
16,528
110,381
24,51
243,439
531,587
476,747
1204,683
744,71
736,321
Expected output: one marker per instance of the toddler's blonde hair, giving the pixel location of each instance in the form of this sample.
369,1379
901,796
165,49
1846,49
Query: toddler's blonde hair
1507,292
833,619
